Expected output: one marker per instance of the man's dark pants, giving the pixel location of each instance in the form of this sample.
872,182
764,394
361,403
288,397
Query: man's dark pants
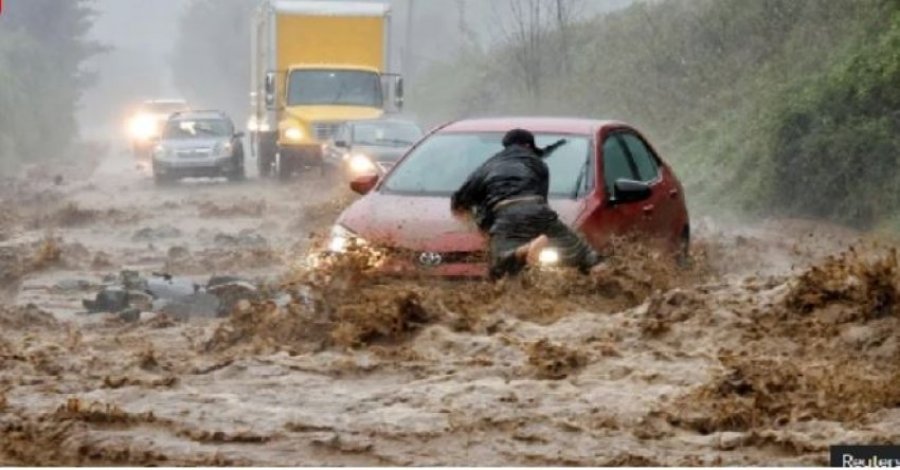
519,224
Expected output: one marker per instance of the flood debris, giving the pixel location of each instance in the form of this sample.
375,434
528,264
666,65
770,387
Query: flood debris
176,297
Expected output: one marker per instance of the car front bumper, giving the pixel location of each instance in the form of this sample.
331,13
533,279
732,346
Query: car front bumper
195,168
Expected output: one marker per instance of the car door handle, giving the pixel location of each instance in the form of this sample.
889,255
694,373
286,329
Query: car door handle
648,209
673,193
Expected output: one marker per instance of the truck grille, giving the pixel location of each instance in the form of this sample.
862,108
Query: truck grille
325,130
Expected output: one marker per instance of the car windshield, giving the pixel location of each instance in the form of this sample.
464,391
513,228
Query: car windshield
334,87
196,129
440,164
386,134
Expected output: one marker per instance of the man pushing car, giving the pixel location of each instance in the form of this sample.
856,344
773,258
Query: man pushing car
507,195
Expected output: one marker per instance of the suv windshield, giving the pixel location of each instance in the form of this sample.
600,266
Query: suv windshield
440,164
196,129
334,87
387,134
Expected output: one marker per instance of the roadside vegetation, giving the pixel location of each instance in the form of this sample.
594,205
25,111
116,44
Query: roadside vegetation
769,107
43,46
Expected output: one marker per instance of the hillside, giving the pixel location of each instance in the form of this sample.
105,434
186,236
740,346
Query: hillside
766,107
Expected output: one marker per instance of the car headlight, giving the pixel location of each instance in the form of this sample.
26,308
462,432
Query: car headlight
143,127
342,239
223,149
548,257
293,133
361,164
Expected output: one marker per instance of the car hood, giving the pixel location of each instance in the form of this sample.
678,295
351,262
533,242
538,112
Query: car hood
188,144
422,223
381,154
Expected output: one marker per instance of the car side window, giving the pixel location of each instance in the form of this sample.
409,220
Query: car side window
647,166
615,163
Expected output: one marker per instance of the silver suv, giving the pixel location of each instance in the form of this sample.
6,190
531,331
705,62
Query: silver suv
199,144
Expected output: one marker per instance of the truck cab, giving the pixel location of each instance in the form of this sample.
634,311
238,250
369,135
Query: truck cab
316,65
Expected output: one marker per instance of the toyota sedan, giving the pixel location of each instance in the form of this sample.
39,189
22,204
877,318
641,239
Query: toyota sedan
607,180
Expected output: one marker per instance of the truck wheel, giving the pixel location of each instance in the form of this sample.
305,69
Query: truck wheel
265,157
283,167
264,165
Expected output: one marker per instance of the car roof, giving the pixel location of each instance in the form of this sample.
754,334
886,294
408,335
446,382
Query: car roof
384,120
172,101
561,125
208,114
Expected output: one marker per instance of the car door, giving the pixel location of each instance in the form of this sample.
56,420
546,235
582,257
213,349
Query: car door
659,210
603,218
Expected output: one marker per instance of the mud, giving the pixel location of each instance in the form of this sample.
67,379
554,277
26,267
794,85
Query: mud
780,339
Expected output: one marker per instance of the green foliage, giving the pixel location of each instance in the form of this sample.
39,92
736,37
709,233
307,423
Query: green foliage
765,106
42,49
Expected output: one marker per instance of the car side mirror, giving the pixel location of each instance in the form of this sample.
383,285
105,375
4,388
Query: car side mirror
625,191
363,184
341,144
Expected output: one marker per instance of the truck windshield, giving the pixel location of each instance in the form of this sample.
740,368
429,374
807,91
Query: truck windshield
334,87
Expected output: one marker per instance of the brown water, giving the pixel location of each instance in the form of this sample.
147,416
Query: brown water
751,357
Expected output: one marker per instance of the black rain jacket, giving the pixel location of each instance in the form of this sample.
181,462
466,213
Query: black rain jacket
516,171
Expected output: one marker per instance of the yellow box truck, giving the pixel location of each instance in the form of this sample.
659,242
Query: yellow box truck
315,65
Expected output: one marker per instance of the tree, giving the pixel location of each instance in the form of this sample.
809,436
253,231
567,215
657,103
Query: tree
211,60
43,47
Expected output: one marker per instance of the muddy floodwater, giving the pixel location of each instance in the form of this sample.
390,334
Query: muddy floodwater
780,340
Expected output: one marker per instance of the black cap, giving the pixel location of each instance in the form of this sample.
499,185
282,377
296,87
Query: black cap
519,137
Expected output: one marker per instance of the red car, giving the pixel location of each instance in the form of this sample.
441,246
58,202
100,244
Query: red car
606,180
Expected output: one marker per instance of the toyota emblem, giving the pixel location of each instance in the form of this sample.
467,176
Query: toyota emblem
430,259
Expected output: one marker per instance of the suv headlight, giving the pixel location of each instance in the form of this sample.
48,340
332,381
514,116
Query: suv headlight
222,149
342,239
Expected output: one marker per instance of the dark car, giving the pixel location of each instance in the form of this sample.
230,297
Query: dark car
606,180
370,146
199,144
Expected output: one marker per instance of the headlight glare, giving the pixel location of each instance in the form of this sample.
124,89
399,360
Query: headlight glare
342,239
361,164
293,133
143,126
549,257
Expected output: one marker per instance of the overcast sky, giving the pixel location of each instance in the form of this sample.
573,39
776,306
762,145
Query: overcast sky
141,35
